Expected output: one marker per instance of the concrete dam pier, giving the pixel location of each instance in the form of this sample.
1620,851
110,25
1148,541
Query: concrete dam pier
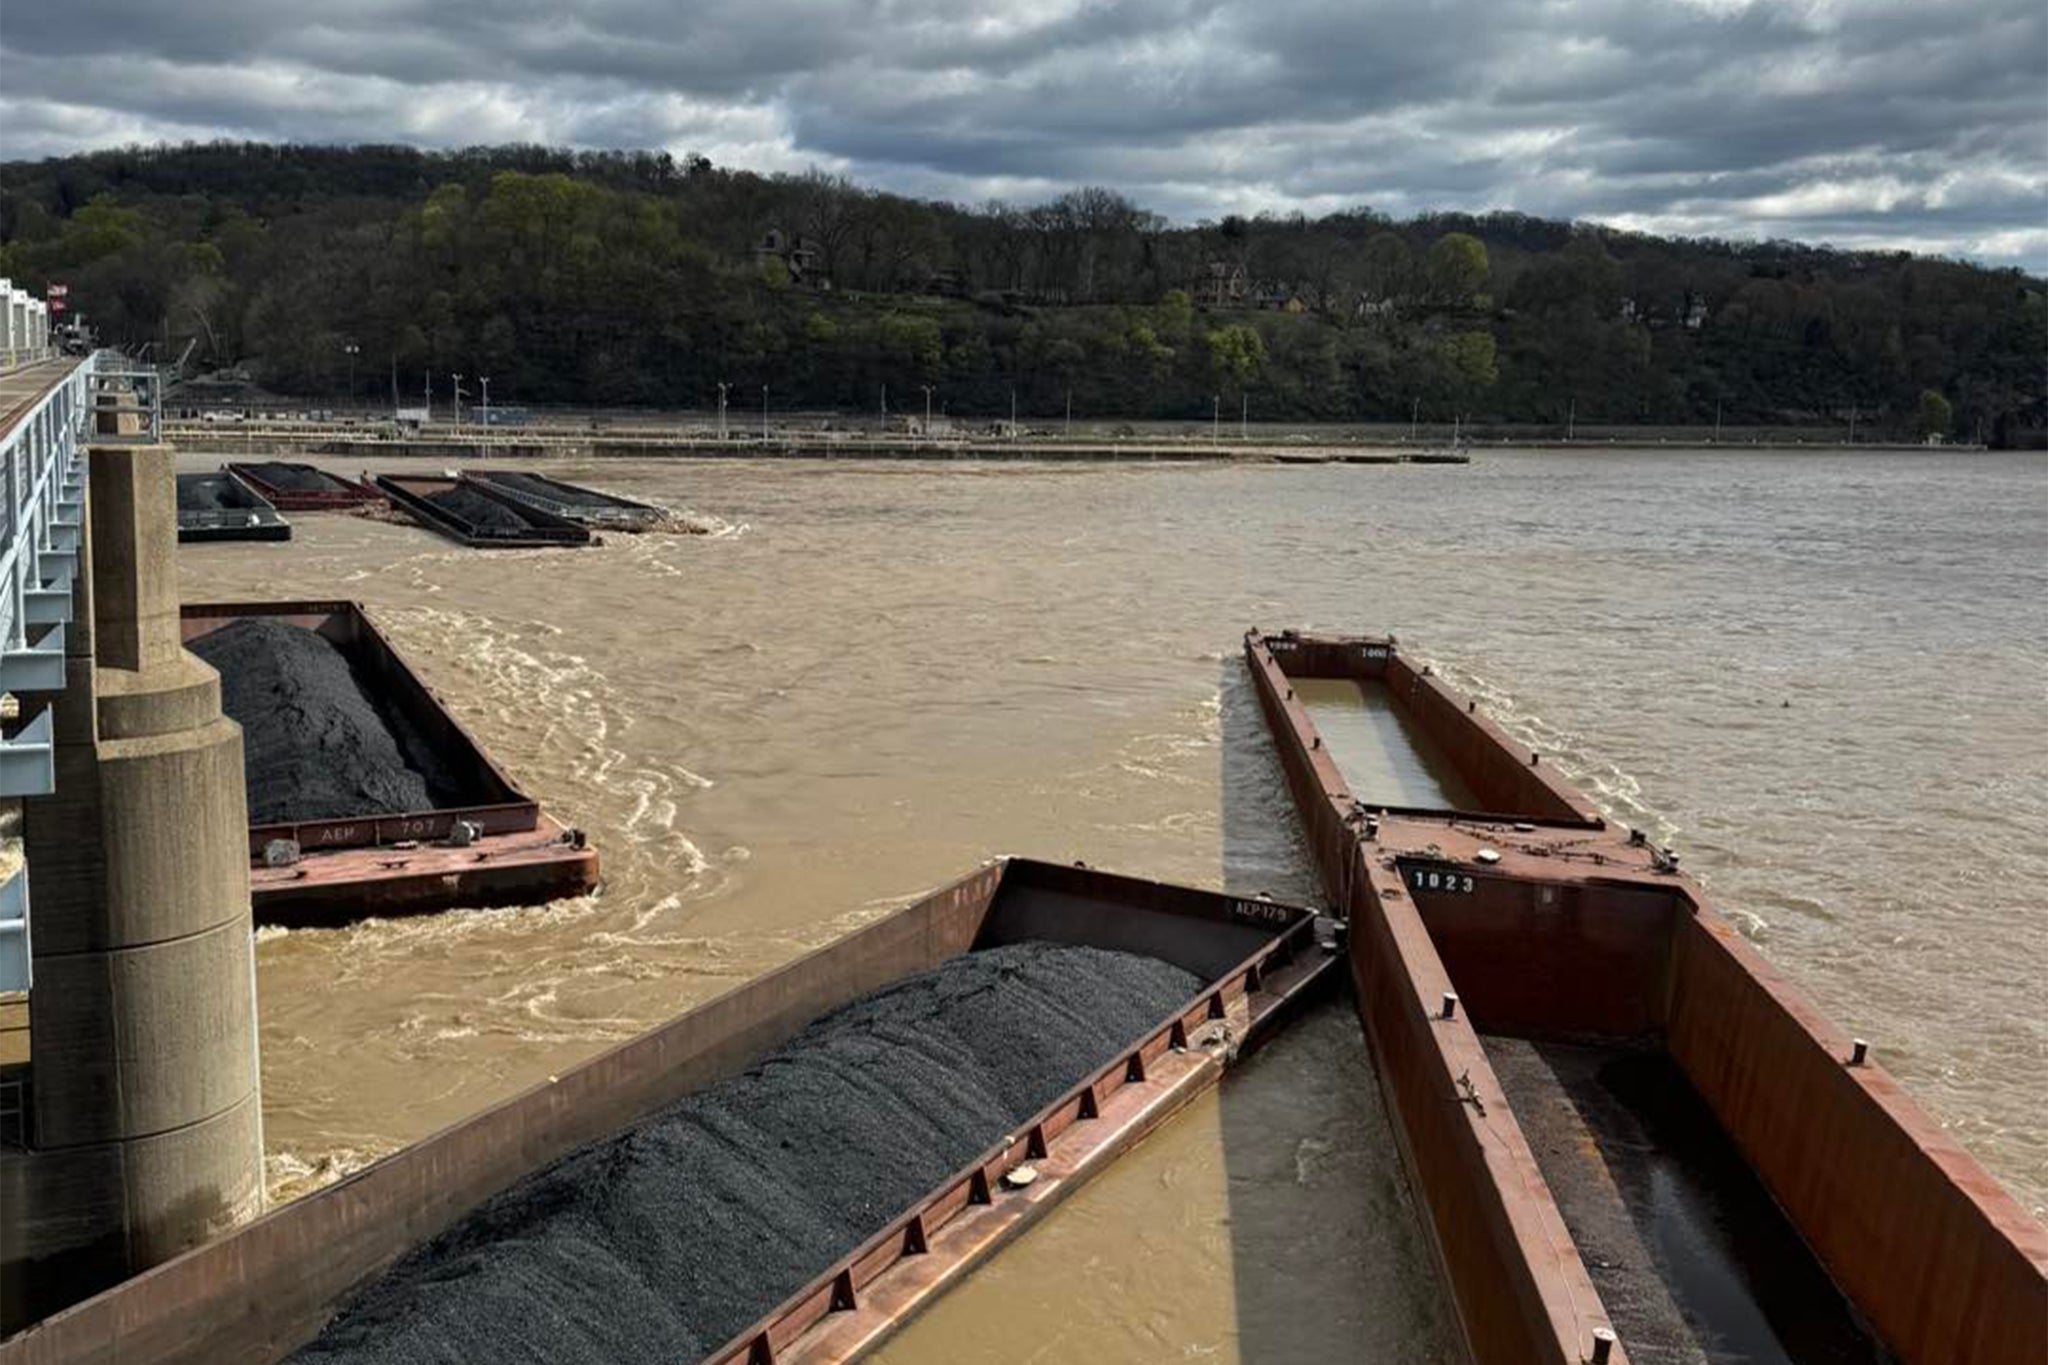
139,1127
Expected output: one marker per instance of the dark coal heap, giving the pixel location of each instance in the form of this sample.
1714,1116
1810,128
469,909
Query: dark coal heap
659,1246
314,745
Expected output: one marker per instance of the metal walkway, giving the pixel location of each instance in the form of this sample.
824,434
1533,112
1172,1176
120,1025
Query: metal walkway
46,412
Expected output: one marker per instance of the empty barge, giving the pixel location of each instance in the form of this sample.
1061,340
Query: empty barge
255,1295
479,515
291,487
572,502
495,848
220,506
1631,1136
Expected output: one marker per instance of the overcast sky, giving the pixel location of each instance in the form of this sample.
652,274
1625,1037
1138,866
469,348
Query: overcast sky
1920,124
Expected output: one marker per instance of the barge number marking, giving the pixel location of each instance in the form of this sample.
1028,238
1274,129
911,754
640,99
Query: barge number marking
1262,910
1441,881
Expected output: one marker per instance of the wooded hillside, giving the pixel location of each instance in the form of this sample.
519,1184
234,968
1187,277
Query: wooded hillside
634,278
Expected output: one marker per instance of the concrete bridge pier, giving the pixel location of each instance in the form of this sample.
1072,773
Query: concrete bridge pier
145,1124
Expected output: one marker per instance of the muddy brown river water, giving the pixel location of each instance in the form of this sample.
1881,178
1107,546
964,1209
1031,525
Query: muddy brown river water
1824,678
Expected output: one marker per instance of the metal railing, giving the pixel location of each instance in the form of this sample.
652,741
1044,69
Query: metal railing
42,498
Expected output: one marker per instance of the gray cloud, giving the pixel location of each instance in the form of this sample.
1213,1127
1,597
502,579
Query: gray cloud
1920,124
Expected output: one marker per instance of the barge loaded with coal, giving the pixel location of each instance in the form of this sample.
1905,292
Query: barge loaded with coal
1629,1137
366,797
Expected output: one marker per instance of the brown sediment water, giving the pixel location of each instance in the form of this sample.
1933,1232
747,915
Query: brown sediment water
1385,761
894,671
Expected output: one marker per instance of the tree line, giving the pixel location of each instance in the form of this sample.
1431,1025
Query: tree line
631,278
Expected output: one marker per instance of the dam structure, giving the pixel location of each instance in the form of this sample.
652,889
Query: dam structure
130,1123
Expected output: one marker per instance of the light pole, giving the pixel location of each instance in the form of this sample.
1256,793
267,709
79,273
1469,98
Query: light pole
1852,424
458,402
1244,416
1571,419
1414,419
352,349
721,410
1215,418
1070,414
764,414
1717,421
486,383
927,410
1013,412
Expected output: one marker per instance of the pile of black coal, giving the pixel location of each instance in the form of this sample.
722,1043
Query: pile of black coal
484,513
314,744
663,1244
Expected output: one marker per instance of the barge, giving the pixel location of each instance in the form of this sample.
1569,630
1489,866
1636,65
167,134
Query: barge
479,515
220,506
572,502
254,1295
496,848
291,487
1631,1136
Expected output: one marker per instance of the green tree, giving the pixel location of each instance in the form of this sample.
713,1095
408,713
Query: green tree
1457,267
1235,354
1935,413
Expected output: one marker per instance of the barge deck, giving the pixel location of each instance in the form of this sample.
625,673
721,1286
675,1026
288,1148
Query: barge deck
478,514
292,487
496,848
254,1295
1481,940
221,507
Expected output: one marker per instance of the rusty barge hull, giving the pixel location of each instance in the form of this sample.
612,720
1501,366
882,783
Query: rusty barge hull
353,867
335,494
254,1295
1470,934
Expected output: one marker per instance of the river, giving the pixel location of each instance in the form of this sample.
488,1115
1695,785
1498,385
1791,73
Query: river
1822,677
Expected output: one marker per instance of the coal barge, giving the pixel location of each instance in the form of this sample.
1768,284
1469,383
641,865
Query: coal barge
292,487
257,1294
572,502
1627,1130
220,506
479,515
474,839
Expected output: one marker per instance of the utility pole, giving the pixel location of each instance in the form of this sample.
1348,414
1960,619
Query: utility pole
430,393
1852,424
394,386
352,349
764,414
1215,418
927,410
1571,420
458,402
485,381
1414,418
721,410
1070,413
1013,412
1244,416
1717,421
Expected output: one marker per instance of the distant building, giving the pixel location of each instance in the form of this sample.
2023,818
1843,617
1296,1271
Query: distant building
798,257
1695,312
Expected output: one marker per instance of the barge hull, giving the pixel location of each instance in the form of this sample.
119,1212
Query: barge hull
405,863
340,495
254,1295
413,495
1565,930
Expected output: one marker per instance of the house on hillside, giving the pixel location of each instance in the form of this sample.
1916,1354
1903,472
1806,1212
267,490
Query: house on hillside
798,257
